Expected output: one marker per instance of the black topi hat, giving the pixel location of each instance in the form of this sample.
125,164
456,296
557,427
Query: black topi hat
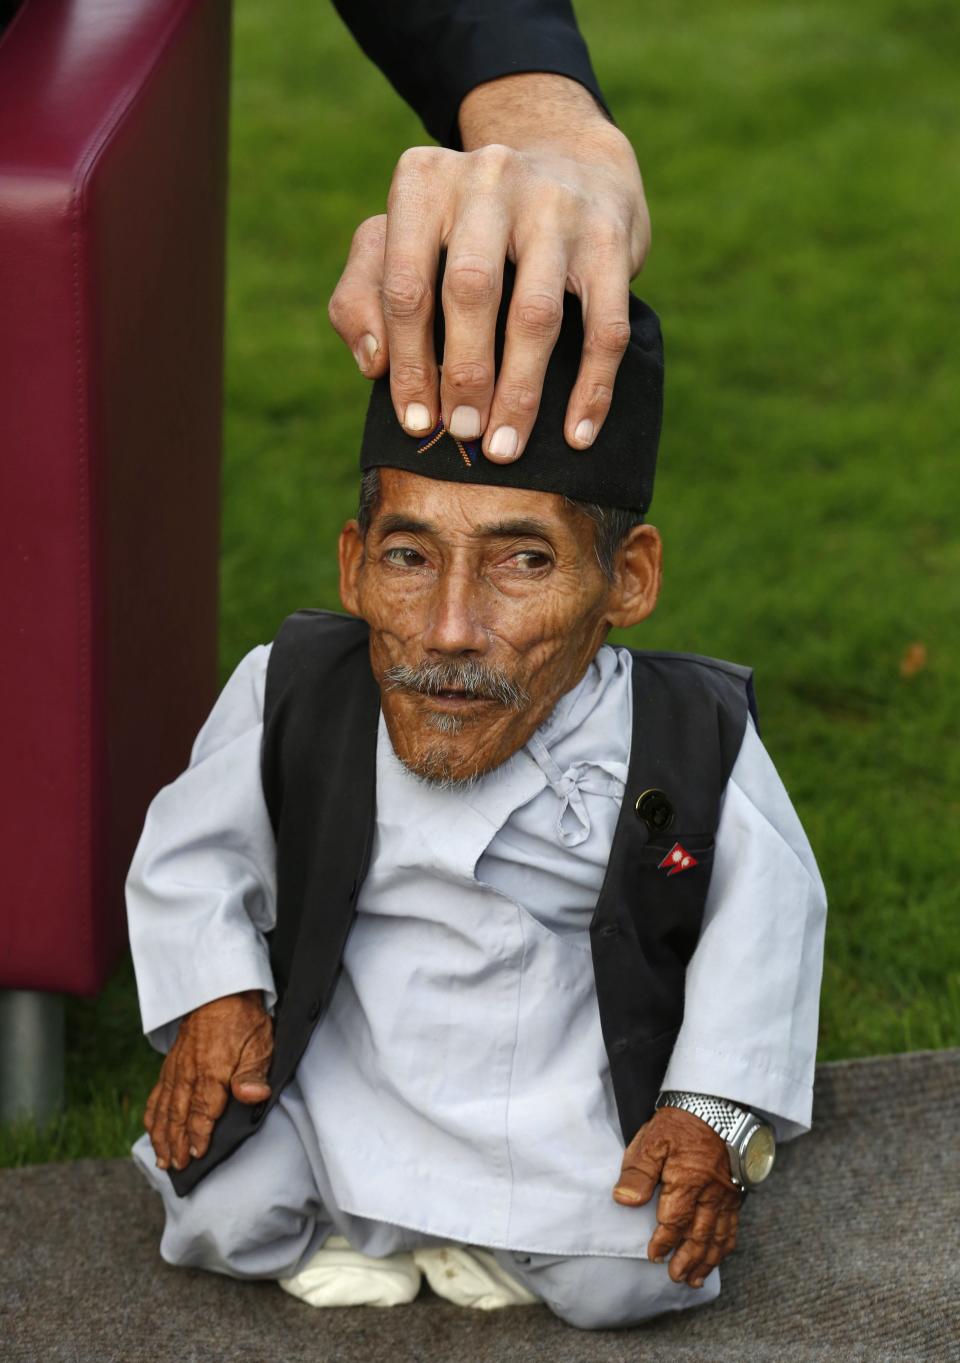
618,468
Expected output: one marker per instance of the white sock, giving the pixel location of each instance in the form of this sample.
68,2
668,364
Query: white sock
469,1276
340,1276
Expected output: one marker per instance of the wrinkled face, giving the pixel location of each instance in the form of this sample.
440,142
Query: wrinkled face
485,605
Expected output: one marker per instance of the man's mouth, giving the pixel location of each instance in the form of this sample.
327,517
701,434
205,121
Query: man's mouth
454,697
458,685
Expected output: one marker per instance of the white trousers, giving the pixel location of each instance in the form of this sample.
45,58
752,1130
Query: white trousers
268,1208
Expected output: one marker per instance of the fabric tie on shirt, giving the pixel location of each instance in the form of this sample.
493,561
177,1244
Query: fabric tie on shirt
600,777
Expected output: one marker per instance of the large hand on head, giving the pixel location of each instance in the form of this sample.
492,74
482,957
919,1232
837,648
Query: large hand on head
699,1204
546,180
222,1048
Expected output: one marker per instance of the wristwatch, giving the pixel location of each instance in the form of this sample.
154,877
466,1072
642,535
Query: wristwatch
750,1140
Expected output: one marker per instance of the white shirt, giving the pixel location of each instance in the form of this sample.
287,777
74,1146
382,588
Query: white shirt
458,1083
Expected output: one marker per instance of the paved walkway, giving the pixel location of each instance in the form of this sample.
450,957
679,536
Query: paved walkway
853,1256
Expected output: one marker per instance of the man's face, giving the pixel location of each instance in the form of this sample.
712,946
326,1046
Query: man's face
485,605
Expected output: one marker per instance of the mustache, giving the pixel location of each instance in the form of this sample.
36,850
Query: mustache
477,679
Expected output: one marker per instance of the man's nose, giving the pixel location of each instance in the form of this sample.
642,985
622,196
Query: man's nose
454,624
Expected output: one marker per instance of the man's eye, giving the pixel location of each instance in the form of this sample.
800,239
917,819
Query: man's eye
528,560
404,558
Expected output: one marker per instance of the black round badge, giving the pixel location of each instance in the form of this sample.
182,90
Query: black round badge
655,810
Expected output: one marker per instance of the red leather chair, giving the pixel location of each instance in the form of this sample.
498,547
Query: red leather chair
113,136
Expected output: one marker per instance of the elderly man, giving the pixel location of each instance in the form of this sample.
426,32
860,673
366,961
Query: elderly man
515,900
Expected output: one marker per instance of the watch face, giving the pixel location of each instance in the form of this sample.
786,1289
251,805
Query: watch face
757,1156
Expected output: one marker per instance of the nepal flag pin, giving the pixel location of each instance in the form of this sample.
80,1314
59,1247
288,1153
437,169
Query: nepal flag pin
677,859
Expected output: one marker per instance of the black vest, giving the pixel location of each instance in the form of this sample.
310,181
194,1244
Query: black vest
318,768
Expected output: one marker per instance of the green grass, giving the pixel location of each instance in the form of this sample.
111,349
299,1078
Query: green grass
800,161
110,1071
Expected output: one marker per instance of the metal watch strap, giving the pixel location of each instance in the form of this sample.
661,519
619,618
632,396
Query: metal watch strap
719,1113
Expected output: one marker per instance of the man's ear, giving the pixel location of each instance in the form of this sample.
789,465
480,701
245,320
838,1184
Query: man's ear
350,557
637,573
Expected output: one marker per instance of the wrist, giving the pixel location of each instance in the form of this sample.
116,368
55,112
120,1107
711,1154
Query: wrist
750,1140
534,108
229,1001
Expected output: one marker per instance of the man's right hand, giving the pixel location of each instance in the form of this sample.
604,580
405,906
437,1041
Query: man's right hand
545,179
222,1048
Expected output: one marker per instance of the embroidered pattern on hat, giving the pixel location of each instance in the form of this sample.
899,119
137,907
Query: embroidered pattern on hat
677,859
469,449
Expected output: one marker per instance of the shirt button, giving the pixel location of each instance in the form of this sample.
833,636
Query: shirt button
655,809
315,1010
609,930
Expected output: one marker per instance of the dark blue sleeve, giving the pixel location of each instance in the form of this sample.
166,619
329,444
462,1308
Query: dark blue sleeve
434,52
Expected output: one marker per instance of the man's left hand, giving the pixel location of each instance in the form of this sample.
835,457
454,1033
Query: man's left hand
544,179
699,1205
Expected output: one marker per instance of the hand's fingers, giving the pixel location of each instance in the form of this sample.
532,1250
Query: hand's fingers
249,1082
150,1111
153,1108
250,1088
724,1224
677,1203
472,285
689,1260
663,1241
158,1135
533,323
676,1207
158,1105
605,292
729,1231
686,1262
641,1168
723,1243
416,212
637,1183
703,1228
179,1110
715,1254
206,1105
355,309
711,1255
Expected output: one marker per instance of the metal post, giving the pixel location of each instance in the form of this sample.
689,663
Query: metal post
31,1055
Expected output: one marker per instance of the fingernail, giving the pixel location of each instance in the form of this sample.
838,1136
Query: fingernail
464,423
659,1259
504,442
177,1164
697,1282
628,1193
366,351
161,1164
193,1153
585,432
416,417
